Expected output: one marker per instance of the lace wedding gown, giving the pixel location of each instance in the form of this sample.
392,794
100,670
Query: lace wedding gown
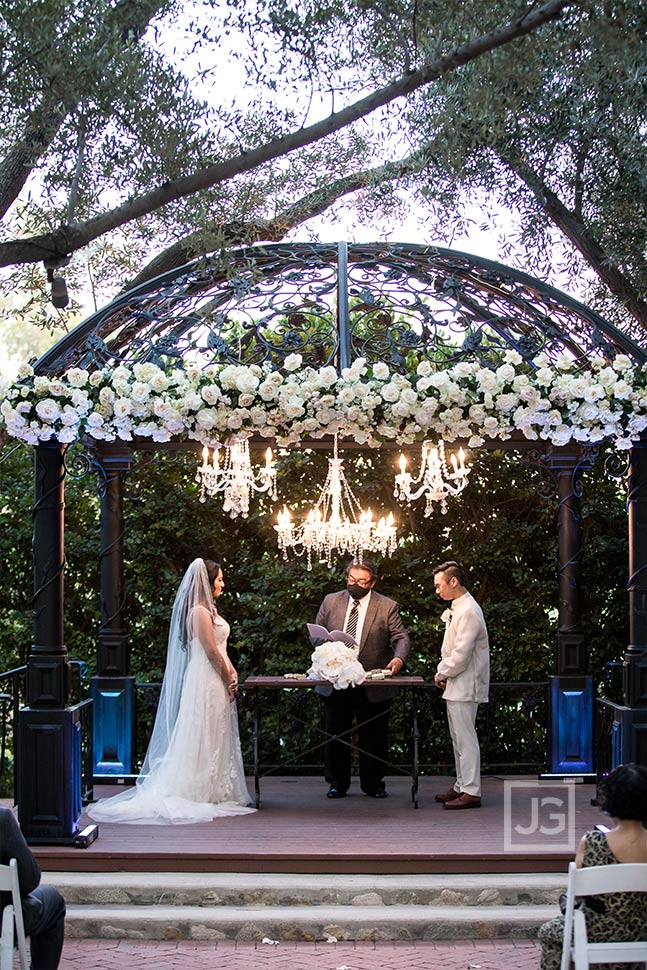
200,776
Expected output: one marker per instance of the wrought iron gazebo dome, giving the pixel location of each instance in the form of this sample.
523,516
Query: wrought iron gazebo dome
333,303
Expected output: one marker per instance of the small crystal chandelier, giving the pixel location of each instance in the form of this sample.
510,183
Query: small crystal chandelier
235,478
435,479
336,524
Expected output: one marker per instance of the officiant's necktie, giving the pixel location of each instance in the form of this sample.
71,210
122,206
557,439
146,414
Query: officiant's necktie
353,616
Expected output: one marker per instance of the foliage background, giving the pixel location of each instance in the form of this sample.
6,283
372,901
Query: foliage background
500,528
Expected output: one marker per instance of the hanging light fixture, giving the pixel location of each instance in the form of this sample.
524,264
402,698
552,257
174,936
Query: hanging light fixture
336,524
235,478
435,480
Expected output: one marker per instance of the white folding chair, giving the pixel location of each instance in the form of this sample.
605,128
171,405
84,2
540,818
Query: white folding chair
12,915
591,881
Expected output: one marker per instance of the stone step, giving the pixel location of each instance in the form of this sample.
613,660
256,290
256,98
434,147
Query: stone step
149,889
305,922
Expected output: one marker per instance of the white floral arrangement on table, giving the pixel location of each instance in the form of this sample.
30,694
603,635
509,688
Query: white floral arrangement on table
335,662
545,400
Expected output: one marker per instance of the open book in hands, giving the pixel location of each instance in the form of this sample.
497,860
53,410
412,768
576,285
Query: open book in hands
319,634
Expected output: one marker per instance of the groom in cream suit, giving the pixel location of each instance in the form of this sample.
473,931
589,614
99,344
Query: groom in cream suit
464,676
384,643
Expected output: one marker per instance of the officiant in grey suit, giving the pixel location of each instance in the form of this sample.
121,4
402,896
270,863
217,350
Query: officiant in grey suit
374,622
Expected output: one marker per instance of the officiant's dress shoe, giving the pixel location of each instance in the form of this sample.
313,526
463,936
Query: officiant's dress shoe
464,801
335,792
448,796
379,792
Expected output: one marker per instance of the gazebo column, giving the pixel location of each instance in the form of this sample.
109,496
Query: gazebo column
113,689
48,748
571,708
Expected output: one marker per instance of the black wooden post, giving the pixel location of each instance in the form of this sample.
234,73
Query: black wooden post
571,688
48,750
113,689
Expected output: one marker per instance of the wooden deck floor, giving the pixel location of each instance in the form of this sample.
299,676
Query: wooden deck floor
299,830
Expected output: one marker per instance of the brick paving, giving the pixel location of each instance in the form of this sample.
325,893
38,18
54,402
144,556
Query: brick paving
186,955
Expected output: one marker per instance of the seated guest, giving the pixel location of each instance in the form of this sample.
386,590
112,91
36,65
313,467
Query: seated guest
43,907
611,916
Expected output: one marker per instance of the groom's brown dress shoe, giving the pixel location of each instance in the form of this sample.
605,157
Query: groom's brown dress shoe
464,801
449,796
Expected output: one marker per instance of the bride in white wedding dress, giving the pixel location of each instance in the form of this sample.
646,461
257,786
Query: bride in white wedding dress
193,769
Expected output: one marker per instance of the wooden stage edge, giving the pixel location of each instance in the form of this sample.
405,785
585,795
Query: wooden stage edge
299,830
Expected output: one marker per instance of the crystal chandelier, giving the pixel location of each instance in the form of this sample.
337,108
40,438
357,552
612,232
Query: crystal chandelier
235,478
336,524
435,479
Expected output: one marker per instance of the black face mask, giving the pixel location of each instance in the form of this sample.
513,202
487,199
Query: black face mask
357,592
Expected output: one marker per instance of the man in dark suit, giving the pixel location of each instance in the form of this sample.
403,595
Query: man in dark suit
383,643
43,907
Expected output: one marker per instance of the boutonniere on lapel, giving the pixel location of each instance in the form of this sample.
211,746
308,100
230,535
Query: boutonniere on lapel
446,616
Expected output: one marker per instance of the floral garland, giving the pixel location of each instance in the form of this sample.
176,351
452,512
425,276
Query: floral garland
370,403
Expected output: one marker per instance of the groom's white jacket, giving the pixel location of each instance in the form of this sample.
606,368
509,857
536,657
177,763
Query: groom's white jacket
465,653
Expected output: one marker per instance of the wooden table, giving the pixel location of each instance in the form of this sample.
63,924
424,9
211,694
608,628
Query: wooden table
257,684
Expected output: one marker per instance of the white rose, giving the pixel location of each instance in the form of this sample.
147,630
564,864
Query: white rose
346,395
24,371
561,435
380,371
409,396
487,380
622,390
140,391
621,363
69,416
95,420
159,381
544,377
424,368
211,394
246,382
258,416
77,377
268,390
390,392
293,362
513,357
327,377
206,419
505,373
506,402
463,369
122,407
48,410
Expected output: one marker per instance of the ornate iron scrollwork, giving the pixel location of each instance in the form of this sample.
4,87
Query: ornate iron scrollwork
259,304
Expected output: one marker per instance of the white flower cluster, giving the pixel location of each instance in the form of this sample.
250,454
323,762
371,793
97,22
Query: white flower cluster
335,662
550,401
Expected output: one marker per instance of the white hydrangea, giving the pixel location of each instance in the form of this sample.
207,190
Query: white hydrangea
338,664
